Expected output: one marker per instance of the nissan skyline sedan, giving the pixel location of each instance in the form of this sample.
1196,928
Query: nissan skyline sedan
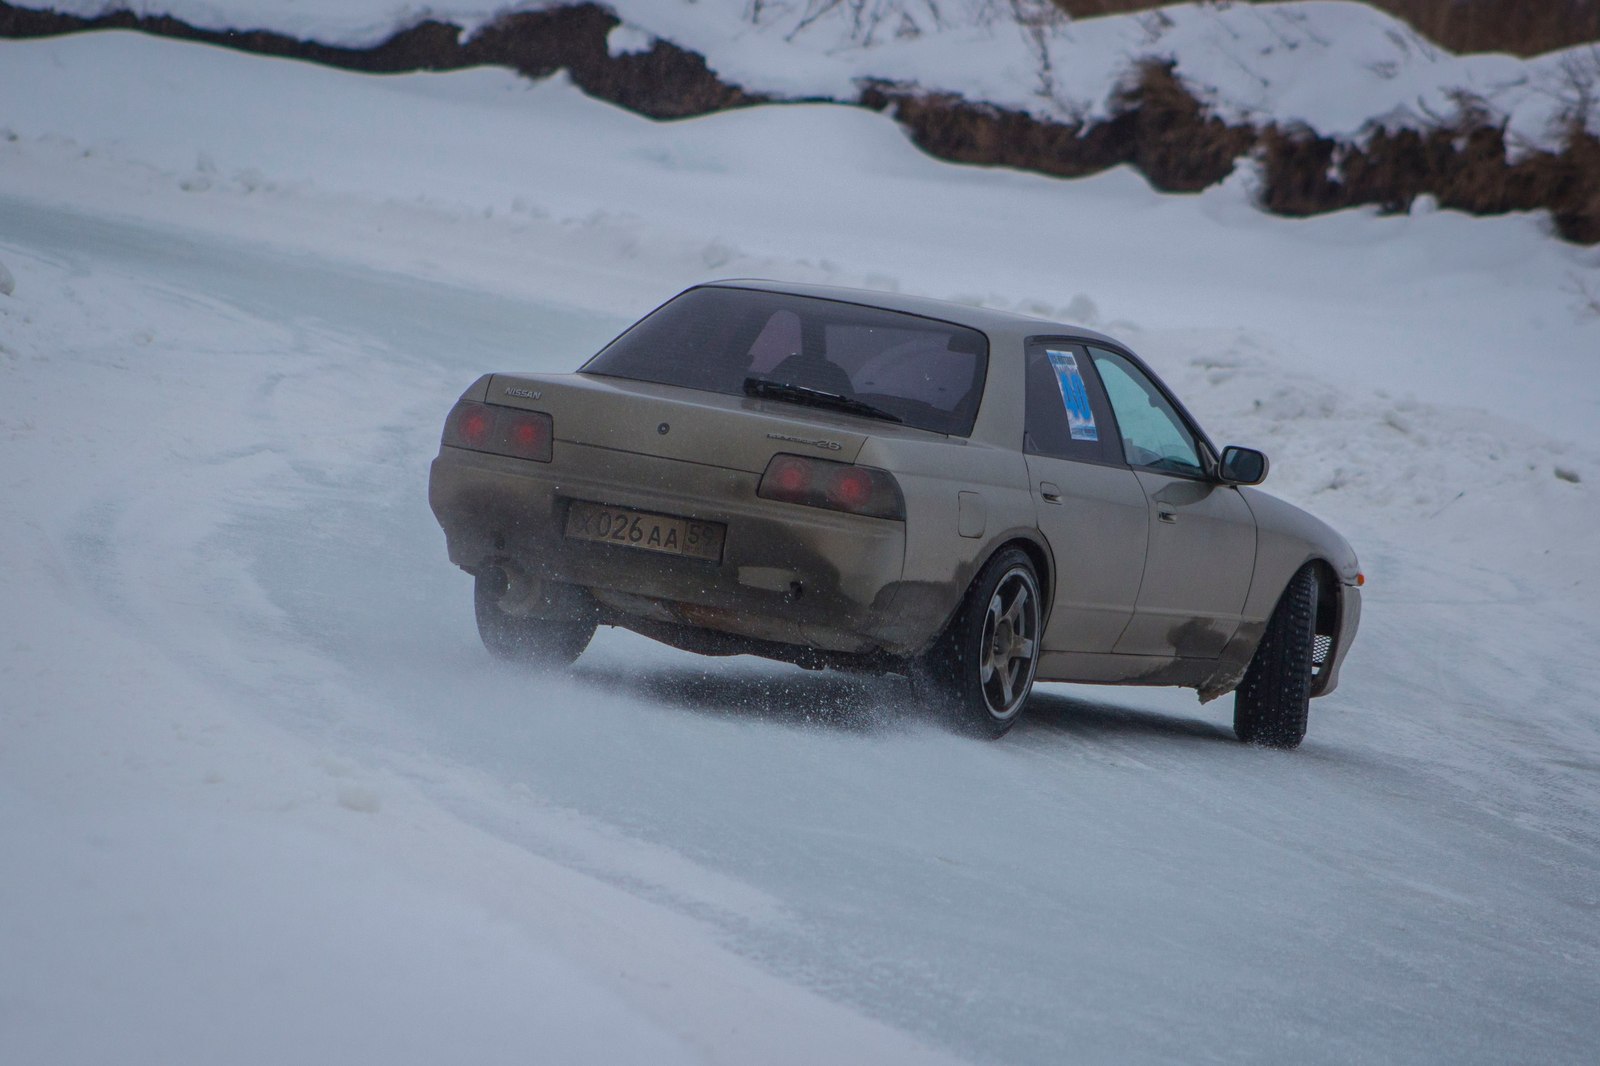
858,480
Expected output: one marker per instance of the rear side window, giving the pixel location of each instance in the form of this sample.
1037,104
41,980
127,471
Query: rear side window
927,373
1067,414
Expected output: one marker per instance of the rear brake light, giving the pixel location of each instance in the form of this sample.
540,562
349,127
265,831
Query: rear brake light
860,490
475,425
528,435
498,430
852,489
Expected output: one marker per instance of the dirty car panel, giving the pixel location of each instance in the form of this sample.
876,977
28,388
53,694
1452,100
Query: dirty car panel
974,499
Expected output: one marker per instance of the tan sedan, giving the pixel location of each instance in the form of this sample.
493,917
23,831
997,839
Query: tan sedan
867,481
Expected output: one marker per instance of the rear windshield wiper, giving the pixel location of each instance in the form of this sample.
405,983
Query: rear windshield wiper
801,394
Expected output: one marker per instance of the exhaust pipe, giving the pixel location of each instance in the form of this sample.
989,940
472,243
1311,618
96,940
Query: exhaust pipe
495,581
521,595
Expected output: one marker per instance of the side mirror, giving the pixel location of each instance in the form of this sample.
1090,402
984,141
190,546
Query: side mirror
1242,466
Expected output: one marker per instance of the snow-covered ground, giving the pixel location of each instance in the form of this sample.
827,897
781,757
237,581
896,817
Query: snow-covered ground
1248,62
263,797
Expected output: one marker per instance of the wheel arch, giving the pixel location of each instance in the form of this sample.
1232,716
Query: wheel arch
1266,591
1043,569
1038,553
1330,607
981,668
1030,545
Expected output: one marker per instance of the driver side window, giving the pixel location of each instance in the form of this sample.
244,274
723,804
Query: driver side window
1153,434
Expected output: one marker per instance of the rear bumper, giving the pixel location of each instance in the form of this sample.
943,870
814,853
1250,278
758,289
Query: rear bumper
791,574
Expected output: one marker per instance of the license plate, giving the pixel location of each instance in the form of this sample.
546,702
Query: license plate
642,529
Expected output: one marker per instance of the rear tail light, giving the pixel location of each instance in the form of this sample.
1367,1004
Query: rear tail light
474,425
837,486
484,427
527,435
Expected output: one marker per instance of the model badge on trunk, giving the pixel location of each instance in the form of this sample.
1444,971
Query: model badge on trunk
526,394
827,445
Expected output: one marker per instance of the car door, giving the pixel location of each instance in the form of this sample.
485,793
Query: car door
1090,506
1201,545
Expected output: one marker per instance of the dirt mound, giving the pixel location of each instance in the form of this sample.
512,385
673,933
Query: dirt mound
664,82
1163,131
1158,127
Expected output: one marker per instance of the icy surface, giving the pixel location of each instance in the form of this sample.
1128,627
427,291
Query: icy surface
263,798
1340,68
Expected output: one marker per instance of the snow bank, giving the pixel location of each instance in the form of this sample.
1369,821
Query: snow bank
8,284
761,190
1256,63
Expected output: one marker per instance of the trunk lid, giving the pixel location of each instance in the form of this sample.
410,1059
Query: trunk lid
713,429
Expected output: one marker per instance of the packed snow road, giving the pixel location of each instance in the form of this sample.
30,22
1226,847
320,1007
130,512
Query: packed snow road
217,459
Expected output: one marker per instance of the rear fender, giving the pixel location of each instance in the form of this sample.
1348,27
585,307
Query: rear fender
922,609
965,500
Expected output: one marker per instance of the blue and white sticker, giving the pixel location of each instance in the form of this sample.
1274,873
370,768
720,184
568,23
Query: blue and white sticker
1080,416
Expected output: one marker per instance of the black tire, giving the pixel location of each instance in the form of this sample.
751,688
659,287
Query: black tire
981,671
541,642
1273,701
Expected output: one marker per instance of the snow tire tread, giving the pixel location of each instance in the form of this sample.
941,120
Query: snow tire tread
1272,704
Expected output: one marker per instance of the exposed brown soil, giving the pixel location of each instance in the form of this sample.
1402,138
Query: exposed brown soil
1157,126
1466,170
1163,131
665,82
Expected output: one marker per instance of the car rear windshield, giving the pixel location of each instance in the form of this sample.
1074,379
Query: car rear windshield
903,368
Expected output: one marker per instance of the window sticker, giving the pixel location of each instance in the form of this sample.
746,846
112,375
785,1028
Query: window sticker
1080,416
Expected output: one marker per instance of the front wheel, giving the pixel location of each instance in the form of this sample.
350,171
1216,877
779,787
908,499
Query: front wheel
1273,702
982,668
540,642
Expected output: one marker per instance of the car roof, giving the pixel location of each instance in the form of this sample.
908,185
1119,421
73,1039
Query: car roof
995,323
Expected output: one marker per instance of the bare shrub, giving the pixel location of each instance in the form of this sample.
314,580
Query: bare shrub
1521,27
1587,293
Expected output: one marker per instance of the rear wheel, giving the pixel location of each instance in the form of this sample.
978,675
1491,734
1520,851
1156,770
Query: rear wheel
1273,701
981,670
542,642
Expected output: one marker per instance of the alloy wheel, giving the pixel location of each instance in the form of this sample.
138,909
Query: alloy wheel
1009,646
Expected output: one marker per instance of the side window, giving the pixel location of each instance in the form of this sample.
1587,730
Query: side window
1153,434
1066,417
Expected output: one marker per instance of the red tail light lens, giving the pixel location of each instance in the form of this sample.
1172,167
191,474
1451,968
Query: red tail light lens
852,489
474,425
498,430
860,490
788,477
528,435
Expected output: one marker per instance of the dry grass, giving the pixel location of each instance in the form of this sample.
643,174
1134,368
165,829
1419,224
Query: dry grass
1587,304
1521,27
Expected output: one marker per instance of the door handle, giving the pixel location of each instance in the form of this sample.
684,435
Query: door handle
1169,517
1050,491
